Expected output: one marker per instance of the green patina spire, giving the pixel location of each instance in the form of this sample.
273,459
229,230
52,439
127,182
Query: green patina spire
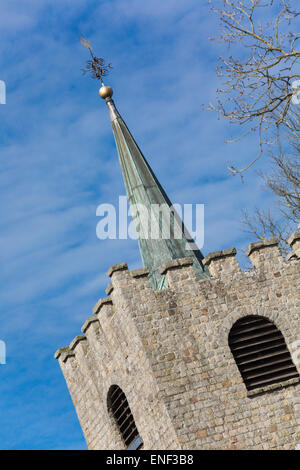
144,190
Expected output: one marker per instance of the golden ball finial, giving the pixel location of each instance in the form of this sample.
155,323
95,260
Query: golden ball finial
106,92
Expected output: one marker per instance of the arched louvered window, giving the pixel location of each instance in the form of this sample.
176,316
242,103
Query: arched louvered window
119,407
260,352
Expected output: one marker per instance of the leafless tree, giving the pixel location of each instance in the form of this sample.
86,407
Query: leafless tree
261,92
263,225
260,81
283,181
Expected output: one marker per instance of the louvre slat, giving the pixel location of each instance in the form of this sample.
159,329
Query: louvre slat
131,436
266,364
253,328
117,390
118,396
121,404
268,372
261,357
128,428
260,352
127,408
243,337
279,378
124,421
264,341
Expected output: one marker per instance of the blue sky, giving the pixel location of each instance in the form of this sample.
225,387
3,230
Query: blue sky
59,162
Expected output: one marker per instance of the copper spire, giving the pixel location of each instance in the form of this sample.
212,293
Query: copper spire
144,191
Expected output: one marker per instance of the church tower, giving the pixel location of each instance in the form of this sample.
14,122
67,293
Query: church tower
187,352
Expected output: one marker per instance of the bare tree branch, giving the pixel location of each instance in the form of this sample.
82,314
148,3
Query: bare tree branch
258,87
283,181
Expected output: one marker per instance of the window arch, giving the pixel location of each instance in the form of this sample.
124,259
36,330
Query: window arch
118,405
260,352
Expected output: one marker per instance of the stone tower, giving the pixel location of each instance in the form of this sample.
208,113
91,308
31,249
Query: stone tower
188,353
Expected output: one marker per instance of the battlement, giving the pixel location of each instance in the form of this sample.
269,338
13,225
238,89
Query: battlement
168,351
294,242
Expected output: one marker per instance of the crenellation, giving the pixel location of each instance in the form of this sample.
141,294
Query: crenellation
64,353
265,253
121,280
294,242
222,263
117,268
141,272
101,302
175,264
88,322
178,271
60,351
76,341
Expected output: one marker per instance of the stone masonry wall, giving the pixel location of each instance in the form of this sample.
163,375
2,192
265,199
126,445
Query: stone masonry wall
168,351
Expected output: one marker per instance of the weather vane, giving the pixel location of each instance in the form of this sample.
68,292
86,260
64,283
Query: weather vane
97,66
